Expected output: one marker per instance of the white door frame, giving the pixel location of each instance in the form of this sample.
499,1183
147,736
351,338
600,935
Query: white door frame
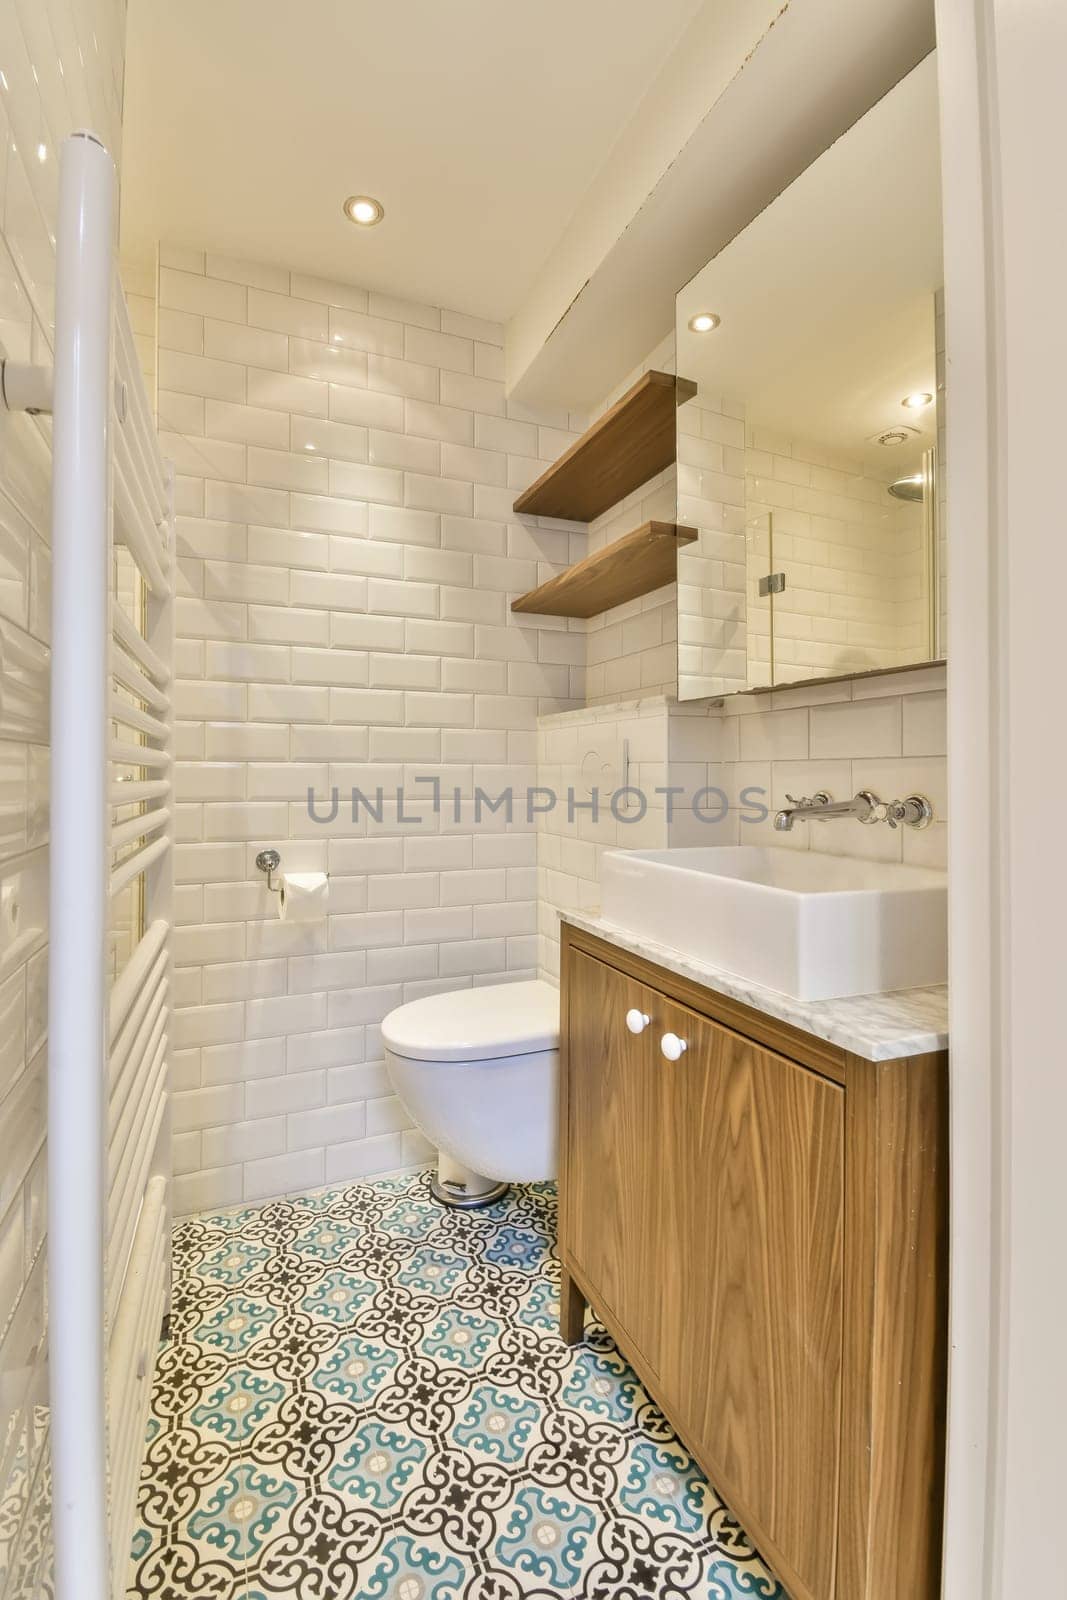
1003,72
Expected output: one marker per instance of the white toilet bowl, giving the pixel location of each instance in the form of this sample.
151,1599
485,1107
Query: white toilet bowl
477,1070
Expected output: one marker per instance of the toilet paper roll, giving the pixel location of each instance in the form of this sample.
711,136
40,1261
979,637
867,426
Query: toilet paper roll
304,896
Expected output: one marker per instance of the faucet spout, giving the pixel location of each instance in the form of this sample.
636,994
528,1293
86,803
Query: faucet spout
915,812
863,807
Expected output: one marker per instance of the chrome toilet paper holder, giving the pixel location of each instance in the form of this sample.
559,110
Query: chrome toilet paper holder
269,861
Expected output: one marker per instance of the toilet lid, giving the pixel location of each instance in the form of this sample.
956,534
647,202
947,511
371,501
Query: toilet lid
505,1019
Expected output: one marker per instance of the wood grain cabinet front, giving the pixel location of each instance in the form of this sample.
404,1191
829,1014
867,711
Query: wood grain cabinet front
614,1199
765,1238
754,1282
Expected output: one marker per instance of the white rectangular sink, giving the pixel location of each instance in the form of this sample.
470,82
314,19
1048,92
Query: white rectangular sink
812,926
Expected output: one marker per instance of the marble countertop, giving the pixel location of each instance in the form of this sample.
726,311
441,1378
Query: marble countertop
878,1027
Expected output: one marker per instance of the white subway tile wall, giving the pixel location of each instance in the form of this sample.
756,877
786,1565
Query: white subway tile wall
884,733
62,69
742,755
348,552
852,557
712,630
604,748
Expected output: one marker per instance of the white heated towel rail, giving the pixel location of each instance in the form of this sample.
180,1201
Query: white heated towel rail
112,750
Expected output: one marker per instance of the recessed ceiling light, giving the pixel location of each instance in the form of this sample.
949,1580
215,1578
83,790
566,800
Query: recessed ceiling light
42,153
916,402
362,209
704,322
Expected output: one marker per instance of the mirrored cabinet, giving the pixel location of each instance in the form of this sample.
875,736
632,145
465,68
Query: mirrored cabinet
811,456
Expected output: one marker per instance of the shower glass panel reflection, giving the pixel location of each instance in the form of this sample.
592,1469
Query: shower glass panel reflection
848,587
759,598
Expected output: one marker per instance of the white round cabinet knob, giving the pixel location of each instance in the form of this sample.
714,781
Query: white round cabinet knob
673,1047
637,1021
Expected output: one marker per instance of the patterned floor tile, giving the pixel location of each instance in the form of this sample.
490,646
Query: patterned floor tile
234,1325
241,1402
546,1538
365,1397
412,1567
241,1511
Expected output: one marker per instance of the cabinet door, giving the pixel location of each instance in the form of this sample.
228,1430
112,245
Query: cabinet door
752,1283
611,1200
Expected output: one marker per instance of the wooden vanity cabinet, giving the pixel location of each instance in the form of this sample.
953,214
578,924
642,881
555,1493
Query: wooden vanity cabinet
615,1198
761,1225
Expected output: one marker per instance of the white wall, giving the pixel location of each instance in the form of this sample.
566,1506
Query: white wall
885,734
853,559
712,572
851,553
603,748
1002,68
62,69
348,553
713,48
729,122
1029,585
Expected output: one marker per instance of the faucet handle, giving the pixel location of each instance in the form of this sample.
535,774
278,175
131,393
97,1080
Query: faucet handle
869,808
915,812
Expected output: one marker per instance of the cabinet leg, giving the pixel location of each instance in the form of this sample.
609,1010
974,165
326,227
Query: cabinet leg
571,1310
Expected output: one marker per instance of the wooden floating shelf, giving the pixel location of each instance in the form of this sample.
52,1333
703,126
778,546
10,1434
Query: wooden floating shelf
634,565
623,449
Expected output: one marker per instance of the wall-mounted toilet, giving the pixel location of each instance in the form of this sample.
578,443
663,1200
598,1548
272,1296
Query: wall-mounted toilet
478,1071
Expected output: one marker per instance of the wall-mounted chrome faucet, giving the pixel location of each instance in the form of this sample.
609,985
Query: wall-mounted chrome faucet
914,812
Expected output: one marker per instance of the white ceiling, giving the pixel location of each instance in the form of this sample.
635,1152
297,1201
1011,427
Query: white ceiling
742,147
826,298
479,125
